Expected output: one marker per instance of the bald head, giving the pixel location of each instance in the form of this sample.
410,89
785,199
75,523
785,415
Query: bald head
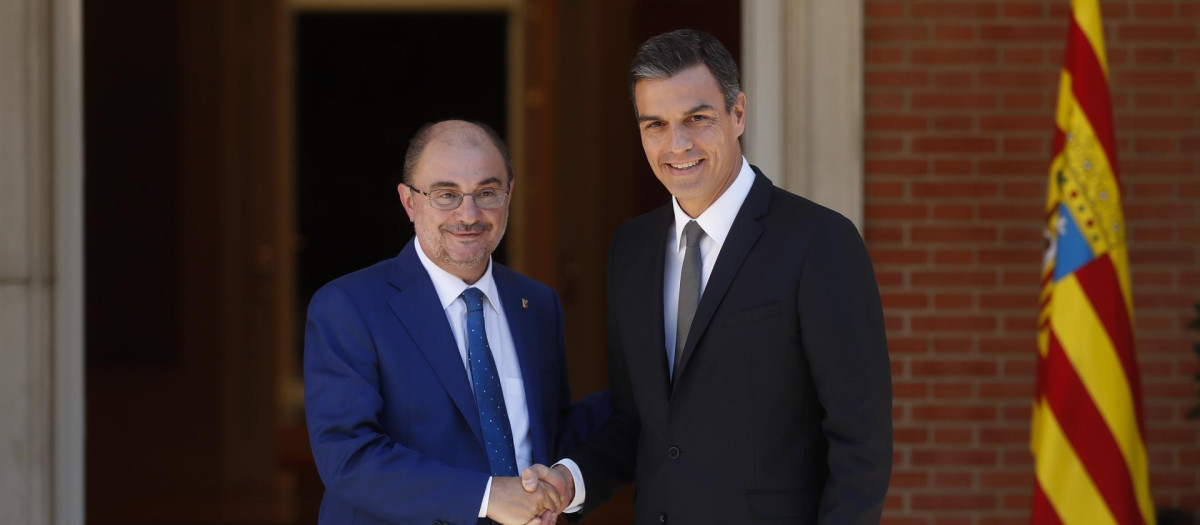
455,133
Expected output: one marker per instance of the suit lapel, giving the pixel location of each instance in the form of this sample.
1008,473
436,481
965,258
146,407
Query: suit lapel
419,310
522,325
650,299
742,236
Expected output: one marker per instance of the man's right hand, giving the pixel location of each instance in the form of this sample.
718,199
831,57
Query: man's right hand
513,502
558,477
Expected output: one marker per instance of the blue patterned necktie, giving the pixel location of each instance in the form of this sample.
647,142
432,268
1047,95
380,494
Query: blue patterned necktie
489,398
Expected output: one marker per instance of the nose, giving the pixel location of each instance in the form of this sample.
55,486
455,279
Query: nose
467,211
681,139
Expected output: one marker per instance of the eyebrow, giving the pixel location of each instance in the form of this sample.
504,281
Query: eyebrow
698,108
452,185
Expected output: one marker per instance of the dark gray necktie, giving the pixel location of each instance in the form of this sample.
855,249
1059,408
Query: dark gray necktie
689,287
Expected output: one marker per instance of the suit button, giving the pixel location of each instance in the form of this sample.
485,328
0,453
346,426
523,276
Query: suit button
673,452
662,518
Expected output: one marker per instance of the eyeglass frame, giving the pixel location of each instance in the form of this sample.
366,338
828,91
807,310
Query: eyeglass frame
461,196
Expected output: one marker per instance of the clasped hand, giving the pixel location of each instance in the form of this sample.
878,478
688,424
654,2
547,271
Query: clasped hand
535,498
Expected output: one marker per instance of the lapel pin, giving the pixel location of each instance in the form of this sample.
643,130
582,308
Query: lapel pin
524,303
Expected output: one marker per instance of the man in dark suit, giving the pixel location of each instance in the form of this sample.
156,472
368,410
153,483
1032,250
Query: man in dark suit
432,378
748,360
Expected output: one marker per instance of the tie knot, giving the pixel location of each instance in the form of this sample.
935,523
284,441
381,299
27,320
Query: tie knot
474,299
692,233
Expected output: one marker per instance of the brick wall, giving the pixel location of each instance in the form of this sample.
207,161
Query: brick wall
959,113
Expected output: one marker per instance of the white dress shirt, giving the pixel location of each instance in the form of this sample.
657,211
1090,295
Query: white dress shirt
716,222
504,351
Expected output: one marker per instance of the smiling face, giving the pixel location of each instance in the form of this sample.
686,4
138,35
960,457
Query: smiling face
461,240
690,140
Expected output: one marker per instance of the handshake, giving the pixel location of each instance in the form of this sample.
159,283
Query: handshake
535,498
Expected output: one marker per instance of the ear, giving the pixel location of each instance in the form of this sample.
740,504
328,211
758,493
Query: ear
406,199
739,113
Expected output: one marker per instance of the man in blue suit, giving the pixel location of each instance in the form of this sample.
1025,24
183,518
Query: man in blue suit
433,378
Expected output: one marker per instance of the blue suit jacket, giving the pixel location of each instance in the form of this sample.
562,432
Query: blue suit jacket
391,414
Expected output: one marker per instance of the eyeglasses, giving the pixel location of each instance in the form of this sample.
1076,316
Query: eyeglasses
447,199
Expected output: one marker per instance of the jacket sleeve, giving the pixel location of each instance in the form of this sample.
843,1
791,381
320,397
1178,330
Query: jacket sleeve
356,459
577,421
842,327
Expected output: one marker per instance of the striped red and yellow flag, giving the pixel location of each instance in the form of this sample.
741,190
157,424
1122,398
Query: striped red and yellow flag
1088,436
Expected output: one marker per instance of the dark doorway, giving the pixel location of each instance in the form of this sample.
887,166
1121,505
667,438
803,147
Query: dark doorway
364,84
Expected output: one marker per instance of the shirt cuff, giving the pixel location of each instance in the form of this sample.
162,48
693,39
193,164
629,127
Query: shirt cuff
580,492
487,493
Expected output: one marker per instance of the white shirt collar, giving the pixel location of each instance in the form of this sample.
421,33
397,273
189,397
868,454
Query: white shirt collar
449,287
718,218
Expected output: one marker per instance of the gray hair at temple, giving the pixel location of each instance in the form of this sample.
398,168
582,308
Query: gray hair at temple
668,54
462,131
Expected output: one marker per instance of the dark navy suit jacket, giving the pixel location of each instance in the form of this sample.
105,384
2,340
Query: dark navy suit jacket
391,414
780,409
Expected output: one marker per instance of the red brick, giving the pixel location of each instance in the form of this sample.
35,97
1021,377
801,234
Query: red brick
948,301
951,413
1017,190
952,391
1155,33
951,100
1006,390
1004,435
954,79
1024,56
957,10
1136,212
1022,213
953,167
954,234
909,478
896,167
952,479
904,300
1023,34
1010,123
1010,256
939,55
883,189
1005,480
1010,167
894,33
1154,56
956,502
953,123
1155,122
1013,78
953,212
1024,101
910,435
1007,345
953,257
874,10
1153,145
955,368
966,145
884,234
883,55
877,100
957,33
1023,10
1007,301
909,390
952,345
899,78
1157,79
883,257
1183,167
896,123
1155,10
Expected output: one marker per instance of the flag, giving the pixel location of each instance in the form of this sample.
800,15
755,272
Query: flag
1088,433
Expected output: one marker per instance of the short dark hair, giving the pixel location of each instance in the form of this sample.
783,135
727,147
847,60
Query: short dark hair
421,139
668,54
